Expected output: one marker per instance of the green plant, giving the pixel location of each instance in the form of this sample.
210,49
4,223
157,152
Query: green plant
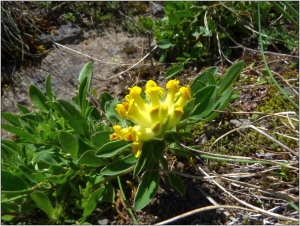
64,154
190,31
69,17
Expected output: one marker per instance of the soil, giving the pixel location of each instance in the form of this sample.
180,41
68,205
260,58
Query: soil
116,51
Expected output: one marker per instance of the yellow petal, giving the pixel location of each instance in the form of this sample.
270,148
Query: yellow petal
137,148
154,114
163,112
135,94
137,116
121,110
173,88
114,136
155,127
150,84
178,110
135,91
185,95
172,85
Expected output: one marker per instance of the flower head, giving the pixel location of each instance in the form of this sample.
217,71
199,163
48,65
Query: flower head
152,114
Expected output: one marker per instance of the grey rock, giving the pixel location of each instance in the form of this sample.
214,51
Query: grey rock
65,34
157,9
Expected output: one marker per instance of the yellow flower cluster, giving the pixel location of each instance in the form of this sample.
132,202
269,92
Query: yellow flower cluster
152,115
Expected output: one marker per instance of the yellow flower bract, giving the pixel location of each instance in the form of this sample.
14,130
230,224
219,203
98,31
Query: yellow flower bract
153,115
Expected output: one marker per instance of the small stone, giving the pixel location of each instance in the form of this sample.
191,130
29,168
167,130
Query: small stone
240,122
103,221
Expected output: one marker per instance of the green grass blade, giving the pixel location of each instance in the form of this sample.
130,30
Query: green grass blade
281,10
266,64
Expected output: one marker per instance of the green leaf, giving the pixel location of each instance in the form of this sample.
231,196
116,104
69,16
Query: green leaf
70,114
11,182
92,202
7,217
48,88
82,94
89,158
207,78
158,148
23,109
184,13
220,105
9,207
43,202
173,136
173,71
38,98
86,71
110,111
101,138
104,98
176,183
48,158
8,150
199,31
188,108
146,22
108,194
147,188
164,44
69,143
11,118
95,114
205,99
145,155
174,19
28,173
211,24
29,123
230,77
60,179
162,57
119,166
181,59
112,148
174,179
21,133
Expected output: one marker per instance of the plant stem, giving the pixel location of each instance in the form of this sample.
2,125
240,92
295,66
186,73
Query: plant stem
126,202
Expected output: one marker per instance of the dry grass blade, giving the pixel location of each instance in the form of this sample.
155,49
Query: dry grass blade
257,51
202,210
274,140
240,157
263,133
262,211
267,191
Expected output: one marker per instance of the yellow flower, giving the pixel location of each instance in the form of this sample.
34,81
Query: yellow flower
152,114
137,148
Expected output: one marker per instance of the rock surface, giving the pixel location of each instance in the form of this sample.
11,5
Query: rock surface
67,33
65,64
